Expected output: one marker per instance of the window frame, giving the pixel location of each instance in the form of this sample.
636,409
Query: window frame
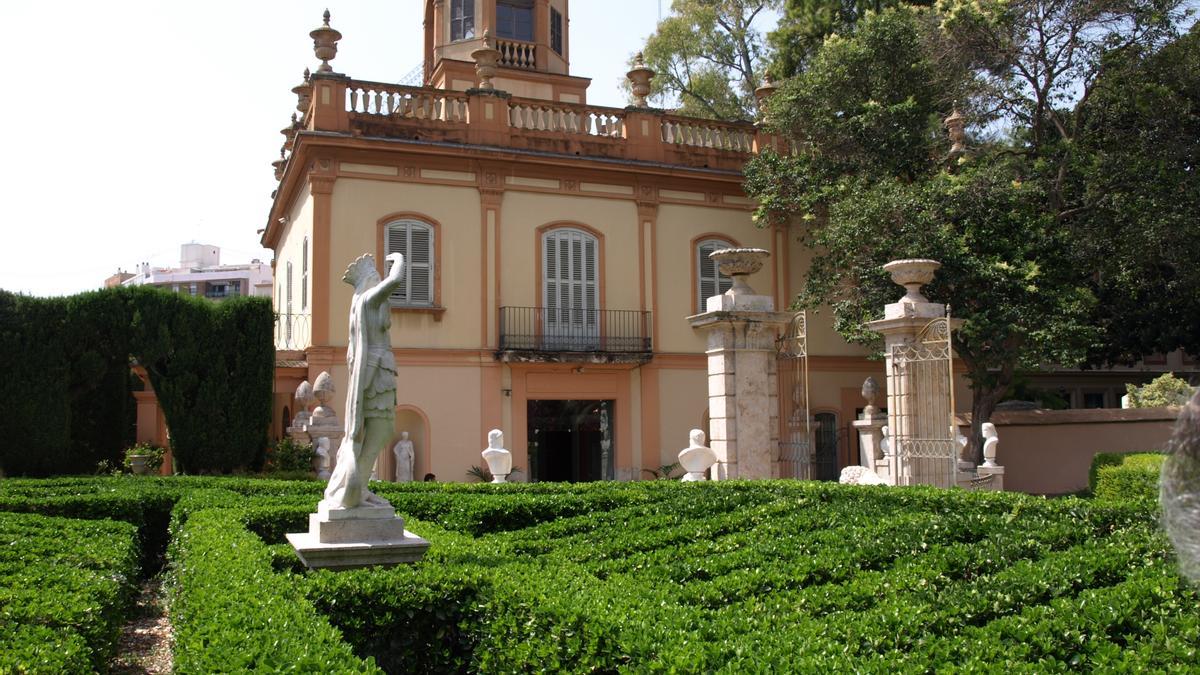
723,283
509,28
434,307
304,275
462,20
556,31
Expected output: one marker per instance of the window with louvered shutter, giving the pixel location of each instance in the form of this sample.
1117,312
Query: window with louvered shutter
414,240
571,288
304,275
709,279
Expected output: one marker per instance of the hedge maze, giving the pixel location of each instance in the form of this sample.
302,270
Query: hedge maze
638,577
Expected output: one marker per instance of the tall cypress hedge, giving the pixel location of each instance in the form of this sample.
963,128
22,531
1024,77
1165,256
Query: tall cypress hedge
64,397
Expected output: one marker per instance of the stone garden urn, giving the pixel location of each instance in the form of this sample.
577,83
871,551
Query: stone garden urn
486,59
639,78
739,263
498,459
325,41
912,274
696,458
139,464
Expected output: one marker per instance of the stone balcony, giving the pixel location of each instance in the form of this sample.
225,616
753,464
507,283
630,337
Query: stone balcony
336,103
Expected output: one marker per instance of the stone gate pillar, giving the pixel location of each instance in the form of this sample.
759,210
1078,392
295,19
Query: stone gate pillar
910,412
743,407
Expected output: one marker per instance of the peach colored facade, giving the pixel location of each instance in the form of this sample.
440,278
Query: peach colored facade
491,177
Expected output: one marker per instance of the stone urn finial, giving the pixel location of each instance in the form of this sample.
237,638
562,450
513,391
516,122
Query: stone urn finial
279,164
487,58
323,390
912,274
764,93
325,41
739,263
870,390
640,77
303,92
956,127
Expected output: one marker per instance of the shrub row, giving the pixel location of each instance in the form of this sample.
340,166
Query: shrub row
65,591
1126,476
231,612
68,399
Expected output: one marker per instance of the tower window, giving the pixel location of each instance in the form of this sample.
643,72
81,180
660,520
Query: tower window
556,31
514,19
462,19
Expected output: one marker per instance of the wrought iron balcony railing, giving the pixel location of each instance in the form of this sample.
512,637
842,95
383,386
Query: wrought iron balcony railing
293,331
543,329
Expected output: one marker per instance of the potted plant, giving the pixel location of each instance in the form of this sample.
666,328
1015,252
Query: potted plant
143,458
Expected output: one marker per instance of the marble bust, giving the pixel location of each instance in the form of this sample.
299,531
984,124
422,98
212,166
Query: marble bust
498,459
990,440
696,458
371,394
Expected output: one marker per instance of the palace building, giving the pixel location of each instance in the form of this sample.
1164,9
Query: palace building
554,252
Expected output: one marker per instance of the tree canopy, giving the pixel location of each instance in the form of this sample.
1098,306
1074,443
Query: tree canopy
709,56
1013,220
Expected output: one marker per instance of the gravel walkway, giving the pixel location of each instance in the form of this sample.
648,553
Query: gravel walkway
145,644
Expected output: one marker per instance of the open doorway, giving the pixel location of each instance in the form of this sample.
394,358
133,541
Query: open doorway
570,441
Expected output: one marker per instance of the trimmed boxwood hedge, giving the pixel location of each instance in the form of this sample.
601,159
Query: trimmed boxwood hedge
67,390
65,591
770,576
1126,476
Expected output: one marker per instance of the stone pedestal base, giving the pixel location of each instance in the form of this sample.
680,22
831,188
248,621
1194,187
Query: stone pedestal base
343,539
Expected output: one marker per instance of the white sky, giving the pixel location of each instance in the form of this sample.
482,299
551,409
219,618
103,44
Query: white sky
134,127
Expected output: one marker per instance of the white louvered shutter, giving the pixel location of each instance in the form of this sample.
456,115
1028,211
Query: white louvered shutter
304,275
571,288
413,240
420,264
708,277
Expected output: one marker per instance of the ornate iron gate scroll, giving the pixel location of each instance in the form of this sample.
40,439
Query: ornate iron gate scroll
795,432
921,407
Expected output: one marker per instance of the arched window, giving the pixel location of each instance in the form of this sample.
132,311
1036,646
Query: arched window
304,275
414,240
709,280
570,288
462,19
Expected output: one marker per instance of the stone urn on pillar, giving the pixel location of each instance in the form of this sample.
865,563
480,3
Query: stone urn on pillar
740,327
325,41
639,78
486,58
912,274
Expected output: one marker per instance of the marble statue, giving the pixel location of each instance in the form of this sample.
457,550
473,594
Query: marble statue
498,459
371,394
404,458
1179,492
696,458
885,444
990,440
859,475
323,459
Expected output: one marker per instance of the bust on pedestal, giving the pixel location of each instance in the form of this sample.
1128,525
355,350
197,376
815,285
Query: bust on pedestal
352,526
498,459
696,458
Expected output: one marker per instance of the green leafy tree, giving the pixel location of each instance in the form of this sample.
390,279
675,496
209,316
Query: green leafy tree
1166,389
1139,167
708,55
806,24
872,179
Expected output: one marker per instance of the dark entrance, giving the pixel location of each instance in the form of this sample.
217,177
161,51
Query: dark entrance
570,440
826,429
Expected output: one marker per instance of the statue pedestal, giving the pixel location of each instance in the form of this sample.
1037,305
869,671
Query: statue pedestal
366,536
870,443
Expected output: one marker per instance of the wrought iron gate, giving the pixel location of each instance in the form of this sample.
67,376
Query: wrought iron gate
795,432
921,407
